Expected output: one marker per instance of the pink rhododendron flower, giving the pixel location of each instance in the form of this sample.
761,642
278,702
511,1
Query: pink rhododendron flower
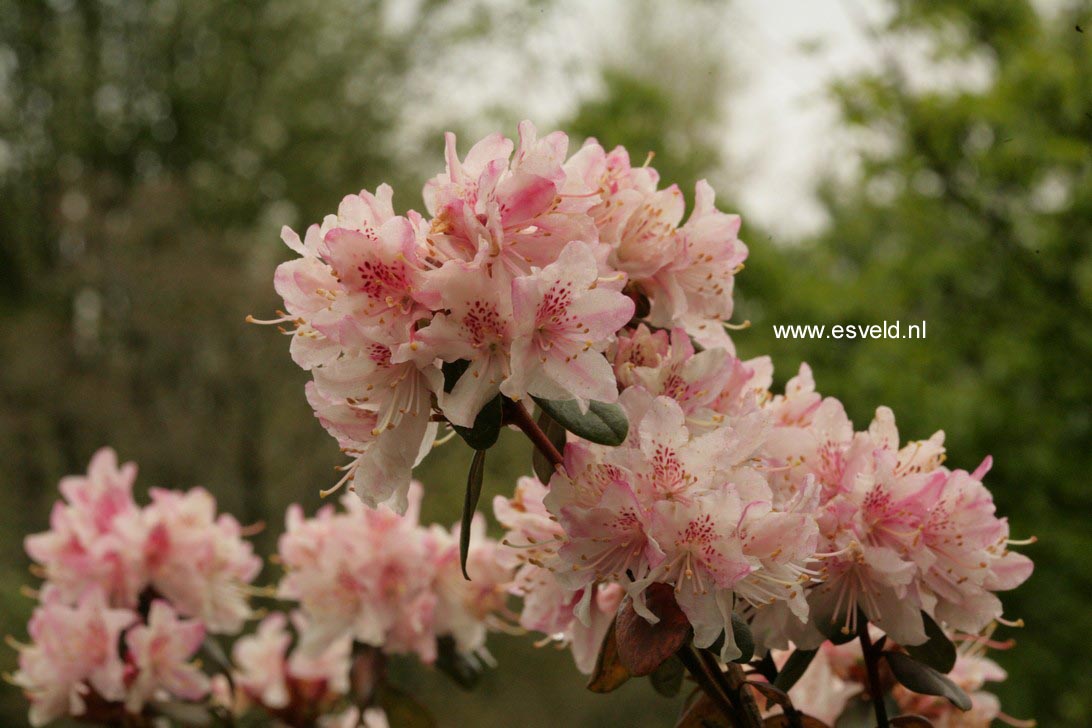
161,652
198,560
382,579
564,317
687,511
96,535
901,532
73,656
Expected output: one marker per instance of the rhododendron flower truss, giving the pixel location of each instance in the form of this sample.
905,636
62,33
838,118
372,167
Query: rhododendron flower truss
684,516
132,596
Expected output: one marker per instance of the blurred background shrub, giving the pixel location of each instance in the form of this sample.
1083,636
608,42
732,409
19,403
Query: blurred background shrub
149,153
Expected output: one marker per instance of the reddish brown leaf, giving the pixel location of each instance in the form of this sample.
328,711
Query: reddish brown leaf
642,647
609,673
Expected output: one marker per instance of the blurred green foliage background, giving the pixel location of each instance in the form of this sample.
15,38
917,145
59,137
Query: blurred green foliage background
149,153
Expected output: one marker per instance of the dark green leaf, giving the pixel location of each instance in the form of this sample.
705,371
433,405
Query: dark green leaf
858,713
741,631
553,430
474,480
402,709
452,371
609,672
604,424
794,668
667,679
449,661
910,721
925,680
937,651
487,426
212,649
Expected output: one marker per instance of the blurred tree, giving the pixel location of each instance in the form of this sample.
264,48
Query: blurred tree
972,210
662,94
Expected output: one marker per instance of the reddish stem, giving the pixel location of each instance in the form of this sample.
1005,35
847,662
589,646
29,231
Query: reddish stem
516,414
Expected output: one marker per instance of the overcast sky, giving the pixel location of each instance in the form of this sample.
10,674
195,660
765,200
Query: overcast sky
781,129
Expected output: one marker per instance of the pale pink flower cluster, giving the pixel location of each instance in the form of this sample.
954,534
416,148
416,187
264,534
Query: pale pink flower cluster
837,676
380,578
680,501
528,264
900,532
130,593
175,547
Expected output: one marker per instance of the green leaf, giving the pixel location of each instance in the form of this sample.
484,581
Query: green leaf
553,430
474,480
741,632
667,679
487,426
794,668
458,667
452,371
402,709
858,713
609,672
937,651
604,424
925,680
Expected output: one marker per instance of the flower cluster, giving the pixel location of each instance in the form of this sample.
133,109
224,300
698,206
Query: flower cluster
380,579
130,594
528,264
901,534
671,484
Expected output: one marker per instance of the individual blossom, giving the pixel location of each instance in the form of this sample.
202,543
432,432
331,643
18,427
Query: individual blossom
565,315
503,213
477,328
96,534
72,662
695,289
199,561
161,653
